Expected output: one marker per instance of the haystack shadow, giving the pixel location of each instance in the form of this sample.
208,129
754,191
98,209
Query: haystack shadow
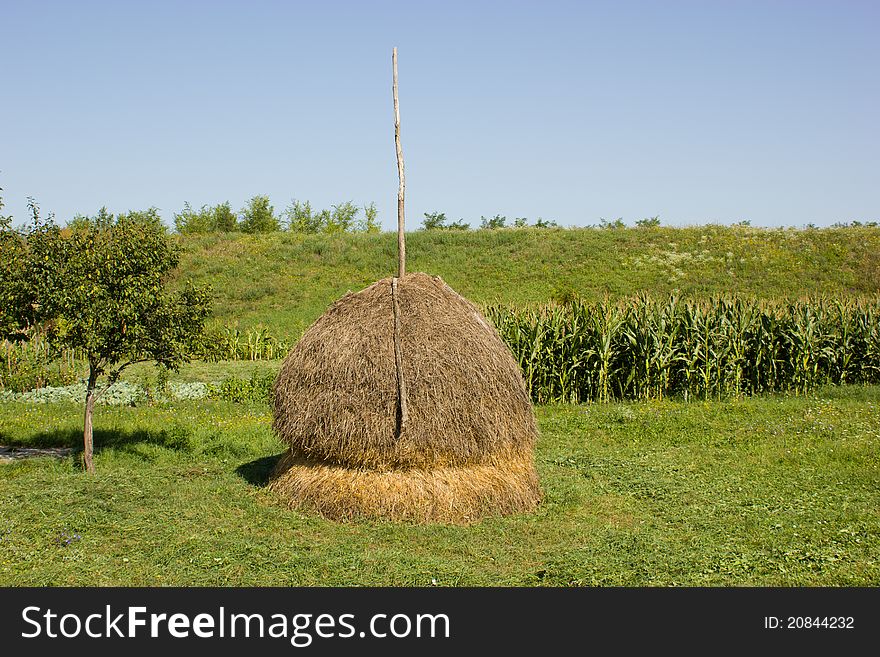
257,472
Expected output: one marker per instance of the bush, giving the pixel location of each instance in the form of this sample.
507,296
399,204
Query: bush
258,216
434,221
258,388
342,219
437,221
498,221
219,218
370,222
300,218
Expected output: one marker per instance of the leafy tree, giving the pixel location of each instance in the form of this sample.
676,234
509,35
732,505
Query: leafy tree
434,221
545,223
25,271
103,218
323,219
149,217
5,221
258,216
370,222
190,221
498,221
14,308
520,222
648,222
301,219
616,224
343,217
223,219
219,218
102,286
437,221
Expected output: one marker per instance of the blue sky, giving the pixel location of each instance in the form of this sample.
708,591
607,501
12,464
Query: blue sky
574,111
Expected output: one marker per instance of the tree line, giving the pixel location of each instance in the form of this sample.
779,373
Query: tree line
259,216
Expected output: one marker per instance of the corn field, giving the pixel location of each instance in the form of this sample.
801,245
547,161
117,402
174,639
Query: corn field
35,364
644,348
233,344
637,348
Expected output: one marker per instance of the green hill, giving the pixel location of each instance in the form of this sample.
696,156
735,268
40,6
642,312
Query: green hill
283,281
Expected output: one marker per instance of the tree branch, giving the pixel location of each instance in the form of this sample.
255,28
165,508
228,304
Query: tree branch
114,375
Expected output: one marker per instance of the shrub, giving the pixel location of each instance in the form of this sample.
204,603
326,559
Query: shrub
258,216
258,388
498,221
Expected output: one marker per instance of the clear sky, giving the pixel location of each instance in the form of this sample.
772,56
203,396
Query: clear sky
575,111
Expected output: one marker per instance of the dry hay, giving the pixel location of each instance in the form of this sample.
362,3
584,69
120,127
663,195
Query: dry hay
442,495
466,448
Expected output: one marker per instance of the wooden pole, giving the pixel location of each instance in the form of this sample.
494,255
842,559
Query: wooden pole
401,241
401,263
402,404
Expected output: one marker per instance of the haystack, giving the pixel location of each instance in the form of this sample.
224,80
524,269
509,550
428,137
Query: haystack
458,446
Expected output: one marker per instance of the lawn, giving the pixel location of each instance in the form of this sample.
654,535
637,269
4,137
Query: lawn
773,490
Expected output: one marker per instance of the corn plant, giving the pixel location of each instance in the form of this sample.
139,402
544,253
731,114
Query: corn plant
647,348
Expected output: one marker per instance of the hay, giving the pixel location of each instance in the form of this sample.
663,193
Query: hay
466,448
456,495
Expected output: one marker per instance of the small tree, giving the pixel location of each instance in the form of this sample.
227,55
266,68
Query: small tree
5,220
102,286
343,218
434,221
190,221
14,292
370,222
223,219
648,222
301,219
25,271
219,218
259,216
498,221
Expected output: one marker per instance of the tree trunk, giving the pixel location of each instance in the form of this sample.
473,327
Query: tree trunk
88,444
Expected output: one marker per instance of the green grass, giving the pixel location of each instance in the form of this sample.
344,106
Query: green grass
146,374
284,281
771,490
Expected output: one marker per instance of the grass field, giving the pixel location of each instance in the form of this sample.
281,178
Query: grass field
283,281
771,490
768,490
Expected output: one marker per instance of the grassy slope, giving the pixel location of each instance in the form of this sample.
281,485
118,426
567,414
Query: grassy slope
763,491
284,281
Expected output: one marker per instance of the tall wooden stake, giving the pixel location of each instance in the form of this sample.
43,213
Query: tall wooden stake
401,242
401,265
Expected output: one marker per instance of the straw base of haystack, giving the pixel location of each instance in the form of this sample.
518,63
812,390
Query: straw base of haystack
453,495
